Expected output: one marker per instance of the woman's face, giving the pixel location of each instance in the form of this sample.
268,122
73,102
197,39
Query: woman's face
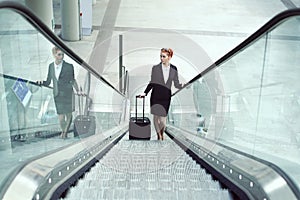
164,58
59,56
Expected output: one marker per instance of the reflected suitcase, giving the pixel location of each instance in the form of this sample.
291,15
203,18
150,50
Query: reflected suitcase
139,127
84,124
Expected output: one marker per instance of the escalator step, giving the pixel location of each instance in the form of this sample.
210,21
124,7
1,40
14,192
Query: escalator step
147,170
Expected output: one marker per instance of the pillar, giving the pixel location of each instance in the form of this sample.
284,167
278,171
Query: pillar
86,10
70,20
43,9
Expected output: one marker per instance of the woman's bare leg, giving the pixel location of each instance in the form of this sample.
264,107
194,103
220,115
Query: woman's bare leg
68,123
62,124
162,123
157,126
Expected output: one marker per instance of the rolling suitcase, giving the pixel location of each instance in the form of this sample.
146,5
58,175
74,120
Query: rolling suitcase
139,127
84,124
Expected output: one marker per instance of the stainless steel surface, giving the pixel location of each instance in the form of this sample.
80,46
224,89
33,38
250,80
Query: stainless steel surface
273,184
37,171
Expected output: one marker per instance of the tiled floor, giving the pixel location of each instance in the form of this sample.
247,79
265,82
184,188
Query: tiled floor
215,28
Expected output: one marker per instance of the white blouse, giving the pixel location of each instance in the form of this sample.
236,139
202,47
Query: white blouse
57,69
166,72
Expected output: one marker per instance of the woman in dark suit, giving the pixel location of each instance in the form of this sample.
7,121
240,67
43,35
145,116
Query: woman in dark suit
162,76
61,74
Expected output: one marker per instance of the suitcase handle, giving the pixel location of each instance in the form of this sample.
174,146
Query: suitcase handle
85,110
80,103
136,97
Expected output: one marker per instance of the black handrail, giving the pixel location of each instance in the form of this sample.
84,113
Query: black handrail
25,80
252,38
43,29
14,78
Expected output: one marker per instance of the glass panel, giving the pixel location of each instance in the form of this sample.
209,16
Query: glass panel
218,97
107,105
240,78
30,124
252,101
278,121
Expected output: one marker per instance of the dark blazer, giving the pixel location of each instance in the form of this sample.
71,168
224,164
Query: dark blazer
161,91
64,85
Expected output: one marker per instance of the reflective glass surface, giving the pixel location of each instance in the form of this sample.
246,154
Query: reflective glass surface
30,125
251,102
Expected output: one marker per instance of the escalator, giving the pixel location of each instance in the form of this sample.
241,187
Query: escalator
230,156
147,170
30,129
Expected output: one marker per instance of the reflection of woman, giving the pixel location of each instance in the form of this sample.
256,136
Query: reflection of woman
162,77
62,75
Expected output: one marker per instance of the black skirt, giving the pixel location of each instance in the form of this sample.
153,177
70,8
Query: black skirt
64,103
160,108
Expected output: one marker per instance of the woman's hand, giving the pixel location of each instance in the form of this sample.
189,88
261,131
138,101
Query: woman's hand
80,93
142,95
186,85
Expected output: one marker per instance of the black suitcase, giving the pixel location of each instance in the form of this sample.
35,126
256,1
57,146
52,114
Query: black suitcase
84,124
139,127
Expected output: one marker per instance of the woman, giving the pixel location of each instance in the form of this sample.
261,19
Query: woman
61,74
162,76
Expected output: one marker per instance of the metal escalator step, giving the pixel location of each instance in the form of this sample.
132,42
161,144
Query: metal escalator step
147,170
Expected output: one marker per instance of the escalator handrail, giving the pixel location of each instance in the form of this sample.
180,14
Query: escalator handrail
43,29
25,80
278,170
252,38
291,184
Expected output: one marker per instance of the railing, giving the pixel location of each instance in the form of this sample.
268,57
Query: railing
30,126
249,100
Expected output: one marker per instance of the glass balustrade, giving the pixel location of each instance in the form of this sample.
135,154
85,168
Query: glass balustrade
29,121
251,102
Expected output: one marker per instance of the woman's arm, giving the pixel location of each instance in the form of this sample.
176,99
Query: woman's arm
73,80
148,88
150,85
176,81
48,81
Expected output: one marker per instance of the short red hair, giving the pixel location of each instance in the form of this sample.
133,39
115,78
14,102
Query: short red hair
169,51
